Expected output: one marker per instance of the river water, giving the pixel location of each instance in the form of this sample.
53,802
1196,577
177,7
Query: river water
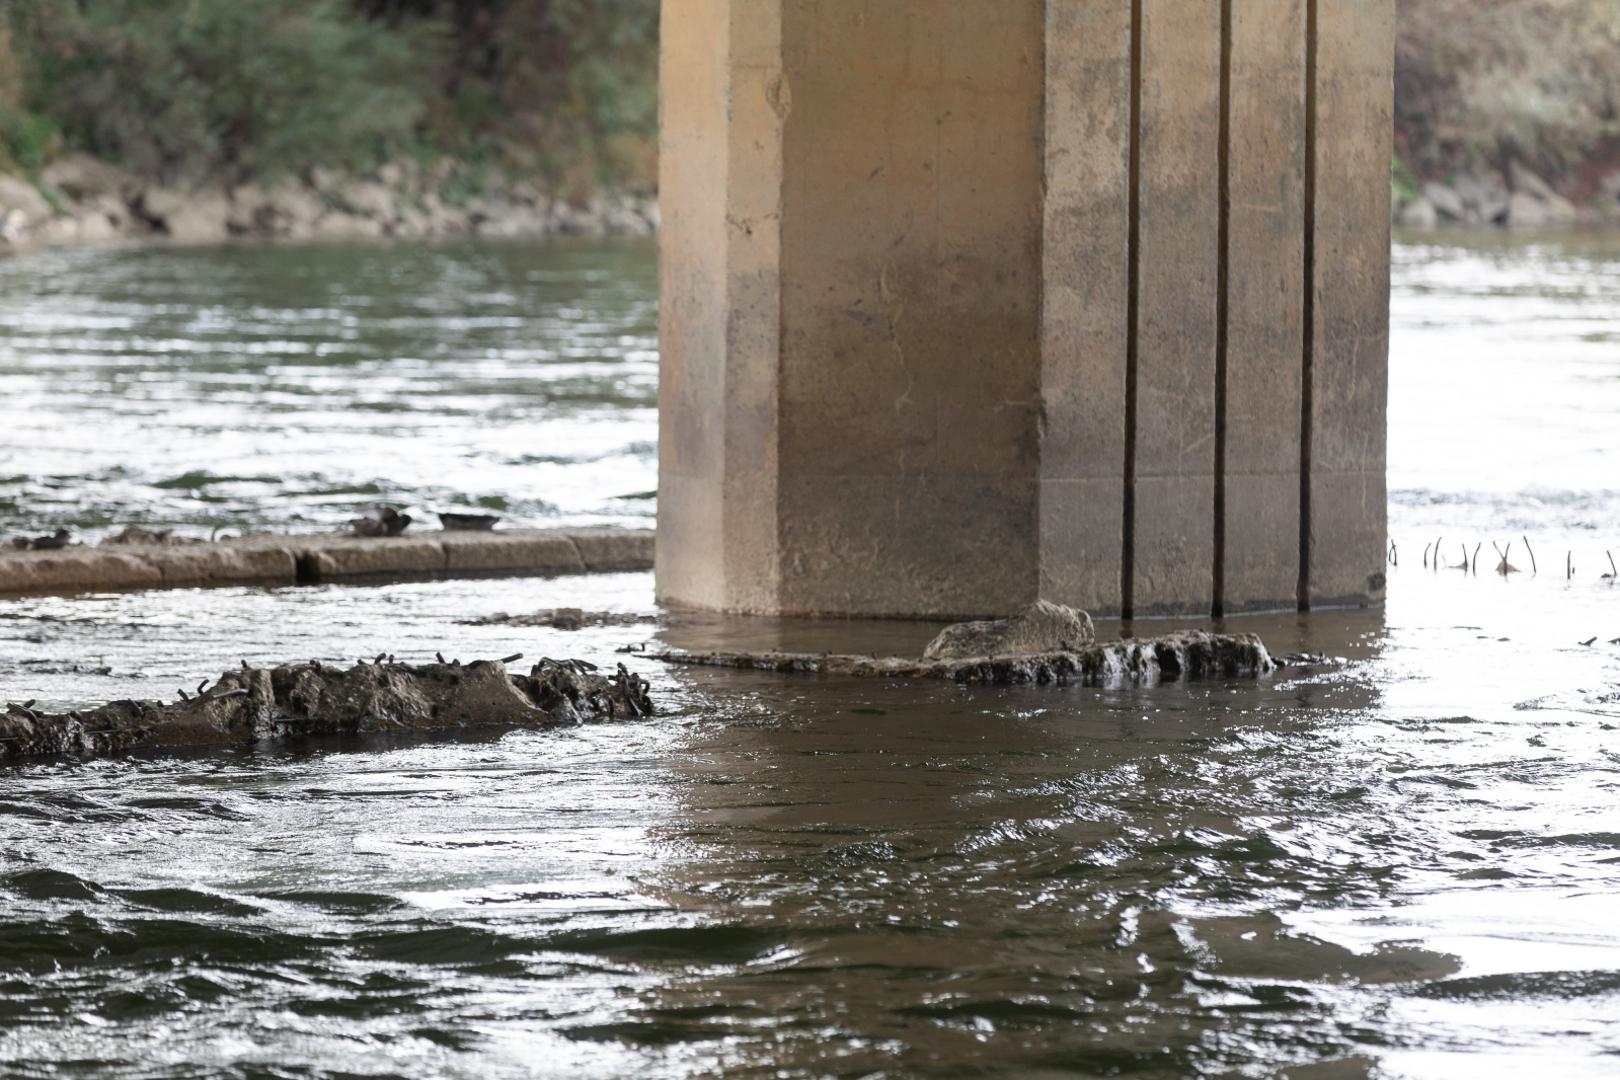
1407,865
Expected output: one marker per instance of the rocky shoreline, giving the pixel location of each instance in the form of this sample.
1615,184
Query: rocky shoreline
1515,198
80,200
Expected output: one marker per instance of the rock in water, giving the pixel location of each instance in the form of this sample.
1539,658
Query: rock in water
1040,629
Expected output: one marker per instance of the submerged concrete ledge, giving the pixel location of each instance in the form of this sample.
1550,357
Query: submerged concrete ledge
325,557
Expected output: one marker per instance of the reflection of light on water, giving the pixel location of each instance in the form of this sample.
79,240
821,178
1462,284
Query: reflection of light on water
1505,389
136,386
1406,863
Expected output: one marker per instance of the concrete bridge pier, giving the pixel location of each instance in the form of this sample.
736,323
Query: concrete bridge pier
970,302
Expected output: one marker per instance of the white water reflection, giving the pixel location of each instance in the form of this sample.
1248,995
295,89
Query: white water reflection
274,388
1402,867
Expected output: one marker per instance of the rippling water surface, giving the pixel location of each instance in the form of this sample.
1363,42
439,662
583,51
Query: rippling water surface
1406,865
279,387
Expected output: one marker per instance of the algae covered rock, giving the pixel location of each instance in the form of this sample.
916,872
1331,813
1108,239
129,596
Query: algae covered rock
1040,629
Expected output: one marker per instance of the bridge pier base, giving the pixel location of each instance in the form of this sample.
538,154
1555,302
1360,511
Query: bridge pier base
967,303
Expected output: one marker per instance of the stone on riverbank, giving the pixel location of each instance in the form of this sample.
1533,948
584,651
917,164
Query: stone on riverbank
302,700
78,177
1420,214
186,217
80,200
22,197
1447,204
1185,655
1519,198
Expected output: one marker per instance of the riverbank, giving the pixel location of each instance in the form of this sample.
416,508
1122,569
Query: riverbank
1517,197
78,199
324,557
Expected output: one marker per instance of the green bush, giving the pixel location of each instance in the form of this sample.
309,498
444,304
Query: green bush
557,86
235,89
217,89
26,140
1486,82
1403,185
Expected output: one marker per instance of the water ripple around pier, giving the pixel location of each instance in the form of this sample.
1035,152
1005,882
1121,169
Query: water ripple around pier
1403,865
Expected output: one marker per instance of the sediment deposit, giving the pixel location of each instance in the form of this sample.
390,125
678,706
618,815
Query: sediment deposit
252,705
1188,654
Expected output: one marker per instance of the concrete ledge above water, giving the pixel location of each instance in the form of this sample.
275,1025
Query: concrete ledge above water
325,557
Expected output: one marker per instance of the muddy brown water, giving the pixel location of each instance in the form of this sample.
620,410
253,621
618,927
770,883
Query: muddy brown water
1407,864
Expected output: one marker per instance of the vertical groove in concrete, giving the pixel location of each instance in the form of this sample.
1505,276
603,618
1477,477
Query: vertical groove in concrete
1308,355
1223,311
1133,319
1043,299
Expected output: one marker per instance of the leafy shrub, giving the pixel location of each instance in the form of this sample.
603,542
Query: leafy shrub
232,89
1486,82
226,89
27,140
562,86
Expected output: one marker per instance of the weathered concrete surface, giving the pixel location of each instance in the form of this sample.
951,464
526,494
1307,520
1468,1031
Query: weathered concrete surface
1085,338
1265,315
943,296
322,557
1179,252
302,700
911,216
833,273
1190,654
718,310
1350,371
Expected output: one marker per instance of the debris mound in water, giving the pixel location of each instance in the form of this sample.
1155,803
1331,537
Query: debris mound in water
561,619
247,706
1043,627
1189,654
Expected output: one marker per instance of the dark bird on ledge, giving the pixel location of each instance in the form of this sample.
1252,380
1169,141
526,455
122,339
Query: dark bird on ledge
55,542
381,521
